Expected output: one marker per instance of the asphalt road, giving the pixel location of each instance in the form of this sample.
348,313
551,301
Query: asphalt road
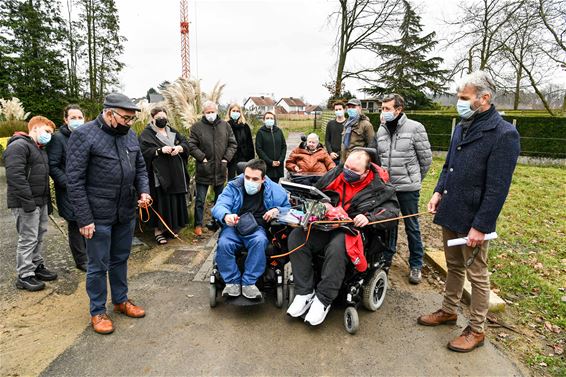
182,335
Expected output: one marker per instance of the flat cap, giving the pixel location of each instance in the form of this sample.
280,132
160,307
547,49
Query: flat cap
355,101
119,101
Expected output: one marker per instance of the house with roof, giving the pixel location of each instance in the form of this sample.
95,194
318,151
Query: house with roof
292,105
259,105
313,110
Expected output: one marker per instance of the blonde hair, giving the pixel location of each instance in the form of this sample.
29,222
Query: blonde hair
241,119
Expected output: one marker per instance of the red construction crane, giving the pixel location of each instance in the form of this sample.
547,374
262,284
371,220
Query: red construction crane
186,64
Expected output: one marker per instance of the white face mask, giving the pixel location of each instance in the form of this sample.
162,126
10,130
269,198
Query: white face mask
211,117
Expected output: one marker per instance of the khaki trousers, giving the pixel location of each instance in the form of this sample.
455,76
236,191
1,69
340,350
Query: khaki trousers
456,257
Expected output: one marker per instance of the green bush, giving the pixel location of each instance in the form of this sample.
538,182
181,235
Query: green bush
8,127
541,136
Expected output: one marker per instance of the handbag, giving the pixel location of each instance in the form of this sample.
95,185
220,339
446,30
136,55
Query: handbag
246,224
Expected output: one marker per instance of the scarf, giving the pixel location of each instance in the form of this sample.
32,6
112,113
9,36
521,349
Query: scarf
168,140
348,130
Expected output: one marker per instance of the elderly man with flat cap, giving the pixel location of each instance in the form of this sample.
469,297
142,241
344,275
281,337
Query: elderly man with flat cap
106,178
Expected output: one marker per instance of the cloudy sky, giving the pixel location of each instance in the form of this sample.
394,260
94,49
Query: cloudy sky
256,47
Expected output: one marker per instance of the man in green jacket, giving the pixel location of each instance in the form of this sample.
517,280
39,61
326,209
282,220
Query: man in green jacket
358,131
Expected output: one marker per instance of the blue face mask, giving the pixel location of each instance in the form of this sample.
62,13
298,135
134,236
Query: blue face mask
339,113
465,109
388,116
235,115
269,123
352,113
75,123
44,138
351,176
251,187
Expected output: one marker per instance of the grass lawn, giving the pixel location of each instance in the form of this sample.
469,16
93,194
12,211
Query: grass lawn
528,262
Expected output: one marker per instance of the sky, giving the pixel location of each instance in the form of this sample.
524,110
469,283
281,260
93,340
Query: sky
255,47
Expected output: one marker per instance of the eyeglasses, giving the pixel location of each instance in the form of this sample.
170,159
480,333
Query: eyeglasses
127,118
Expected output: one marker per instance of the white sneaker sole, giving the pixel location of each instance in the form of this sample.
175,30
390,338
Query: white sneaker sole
319,321
305,309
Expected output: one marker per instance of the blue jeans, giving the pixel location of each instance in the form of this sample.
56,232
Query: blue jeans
108,251
409,203
200,199
228,242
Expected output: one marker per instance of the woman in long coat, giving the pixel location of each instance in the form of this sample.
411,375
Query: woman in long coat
243,135
165,152
271,146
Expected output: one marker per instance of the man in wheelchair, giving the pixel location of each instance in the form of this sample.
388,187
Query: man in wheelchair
245,207
358,187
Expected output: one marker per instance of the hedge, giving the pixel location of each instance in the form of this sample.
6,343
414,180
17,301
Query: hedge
541,136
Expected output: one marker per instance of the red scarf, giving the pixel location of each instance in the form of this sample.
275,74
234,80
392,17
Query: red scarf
347,191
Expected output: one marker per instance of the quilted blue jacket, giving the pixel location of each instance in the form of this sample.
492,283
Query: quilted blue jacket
232,198
476,176
105,174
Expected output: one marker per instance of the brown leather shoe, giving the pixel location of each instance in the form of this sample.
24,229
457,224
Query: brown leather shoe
439,317
102,324
468,341
198,231
129,309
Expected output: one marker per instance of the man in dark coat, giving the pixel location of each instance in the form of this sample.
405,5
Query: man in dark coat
57,151
27,178
358,188
213,145
467,200
104,178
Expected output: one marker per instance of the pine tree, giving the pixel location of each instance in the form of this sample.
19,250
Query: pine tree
30,52
406,70
104,46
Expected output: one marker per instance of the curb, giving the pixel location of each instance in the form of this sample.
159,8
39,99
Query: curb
436,258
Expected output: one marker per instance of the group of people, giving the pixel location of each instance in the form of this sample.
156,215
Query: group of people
102,171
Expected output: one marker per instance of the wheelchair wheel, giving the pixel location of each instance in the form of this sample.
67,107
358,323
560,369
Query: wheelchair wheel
279,299
212,295
290,294
375,290
351,320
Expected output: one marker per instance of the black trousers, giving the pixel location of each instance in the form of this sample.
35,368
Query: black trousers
77,243
332,246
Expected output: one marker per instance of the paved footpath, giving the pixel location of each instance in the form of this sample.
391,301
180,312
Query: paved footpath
47,332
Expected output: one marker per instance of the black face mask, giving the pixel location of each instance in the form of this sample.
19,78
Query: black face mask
121,129
161,122
351,176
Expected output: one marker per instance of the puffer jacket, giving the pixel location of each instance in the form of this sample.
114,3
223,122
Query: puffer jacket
57,151
27,173
317,161
106,174
232,198
406,154
362,136
214,142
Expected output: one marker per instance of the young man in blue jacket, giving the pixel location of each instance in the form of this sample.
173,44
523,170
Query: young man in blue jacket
467,200
254,199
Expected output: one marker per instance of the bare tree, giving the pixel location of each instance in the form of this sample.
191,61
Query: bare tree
553,17
481,29
361,24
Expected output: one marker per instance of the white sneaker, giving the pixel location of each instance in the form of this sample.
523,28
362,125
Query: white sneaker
317,312
301,303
